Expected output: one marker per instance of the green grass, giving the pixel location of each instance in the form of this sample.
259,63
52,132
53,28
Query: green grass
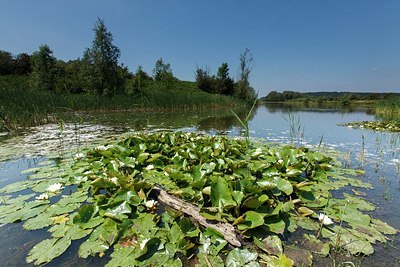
389,109
21,107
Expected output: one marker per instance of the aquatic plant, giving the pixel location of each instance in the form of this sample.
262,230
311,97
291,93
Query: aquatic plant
173,199
245,123
380,126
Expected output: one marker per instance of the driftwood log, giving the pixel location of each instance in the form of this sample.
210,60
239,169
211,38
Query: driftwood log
228,231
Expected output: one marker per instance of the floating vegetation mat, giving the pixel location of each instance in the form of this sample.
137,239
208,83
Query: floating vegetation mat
173,199
381,126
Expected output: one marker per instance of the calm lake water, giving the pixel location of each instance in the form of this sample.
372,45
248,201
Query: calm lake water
377,153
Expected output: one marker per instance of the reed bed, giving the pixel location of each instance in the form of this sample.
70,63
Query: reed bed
21,107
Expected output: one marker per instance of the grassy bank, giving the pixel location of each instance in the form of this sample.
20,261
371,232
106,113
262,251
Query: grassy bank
389,109
21,108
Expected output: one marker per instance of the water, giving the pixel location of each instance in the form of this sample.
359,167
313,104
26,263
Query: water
377,153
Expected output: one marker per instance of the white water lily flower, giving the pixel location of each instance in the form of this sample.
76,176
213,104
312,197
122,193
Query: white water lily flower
149,167
150,203
100,148
55,187
206,245
43,196
324,219
79,156
143,243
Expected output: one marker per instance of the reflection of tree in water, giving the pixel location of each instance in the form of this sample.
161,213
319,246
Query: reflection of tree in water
223,123
314,107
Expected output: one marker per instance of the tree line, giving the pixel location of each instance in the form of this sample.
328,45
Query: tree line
345,97
99,71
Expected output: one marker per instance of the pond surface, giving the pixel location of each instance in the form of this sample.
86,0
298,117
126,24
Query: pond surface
377,153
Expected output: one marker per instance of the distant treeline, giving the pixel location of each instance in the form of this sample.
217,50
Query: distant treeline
344,97
99,72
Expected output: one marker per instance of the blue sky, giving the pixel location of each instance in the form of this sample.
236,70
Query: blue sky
301,45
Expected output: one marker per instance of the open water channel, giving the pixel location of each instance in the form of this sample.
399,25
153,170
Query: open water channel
375,152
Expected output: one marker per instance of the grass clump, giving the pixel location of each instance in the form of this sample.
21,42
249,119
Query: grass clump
389,109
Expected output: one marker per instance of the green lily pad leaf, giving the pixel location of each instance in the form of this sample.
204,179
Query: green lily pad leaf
281,261
254,202
284,185
47,250
41,221
316,246
271,244
209,260
241,257
293,172
341,237
85,213
150,248
300,257
267,183
18,186
251,219
221,195
383,227
188,228
275,224
212,242
100,239
29,210
73,232
355,217
124,257
304,211
19,200
118,212
238,196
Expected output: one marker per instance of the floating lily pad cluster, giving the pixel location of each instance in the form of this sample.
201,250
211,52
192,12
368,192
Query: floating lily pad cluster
105,197
381,126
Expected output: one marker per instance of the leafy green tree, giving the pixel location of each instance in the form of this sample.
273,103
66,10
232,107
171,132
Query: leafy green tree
162,72
100,63
243,89
43,75
6,63
224,81
22,64
68,76
203,80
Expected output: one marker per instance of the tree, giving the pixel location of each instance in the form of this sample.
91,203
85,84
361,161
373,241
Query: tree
22,64
43,75
203,80
100,62
6,63
162,71
224,82
243,89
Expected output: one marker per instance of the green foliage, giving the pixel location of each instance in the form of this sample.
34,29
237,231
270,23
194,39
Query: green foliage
11,65
43,75
100,63
243,89
389,108
162,71
222,83
252,186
